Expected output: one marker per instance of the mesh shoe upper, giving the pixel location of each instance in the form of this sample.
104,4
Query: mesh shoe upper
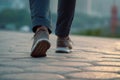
41,34
64,42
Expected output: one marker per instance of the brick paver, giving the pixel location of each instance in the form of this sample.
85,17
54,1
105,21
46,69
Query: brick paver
92,58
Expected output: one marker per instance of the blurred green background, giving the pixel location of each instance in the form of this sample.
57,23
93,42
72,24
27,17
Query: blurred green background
92,17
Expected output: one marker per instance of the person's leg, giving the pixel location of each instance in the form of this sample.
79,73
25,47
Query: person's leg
40,14
65,17
66,9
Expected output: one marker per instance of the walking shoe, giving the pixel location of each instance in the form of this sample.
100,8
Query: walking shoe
64,45
41,43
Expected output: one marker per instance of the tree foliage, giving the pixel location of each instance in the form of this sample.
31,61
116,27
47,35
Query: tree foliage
18,17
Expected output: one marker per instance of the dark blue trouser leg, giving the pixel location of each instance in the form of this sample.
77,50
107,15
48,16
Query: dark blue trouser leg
66,10
40,13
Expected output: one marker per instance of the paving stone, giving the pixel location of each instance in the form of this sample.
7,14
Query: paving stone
113,52
69,64
94,58
109,63
110,60
74,60
13,55
40,60
112,56
118,46
33,76
103,68
52,69
21,64
93,75
7,69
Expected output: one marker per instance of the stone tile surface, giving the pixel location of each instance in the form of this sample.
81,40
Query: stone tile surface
92,58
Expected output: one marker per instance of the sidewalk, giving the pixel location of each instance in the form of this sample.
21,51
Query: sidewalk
92,59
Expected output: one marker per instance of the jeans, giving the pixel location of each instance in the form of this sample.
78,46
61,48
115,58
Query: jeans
40,14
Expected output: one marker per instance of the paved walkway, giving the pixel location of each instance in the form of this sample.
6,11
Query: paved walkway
93,59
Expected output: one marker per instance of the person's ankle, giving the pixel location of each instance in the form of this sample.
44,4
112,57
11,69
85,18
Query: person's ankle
62,37
41,28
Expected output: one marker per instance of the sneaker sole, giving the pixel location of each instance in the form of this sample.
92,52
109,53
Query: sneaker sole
63,50
40,48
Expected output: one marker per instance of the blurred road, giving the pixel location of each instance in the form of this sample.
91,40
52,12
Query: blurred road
93,58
